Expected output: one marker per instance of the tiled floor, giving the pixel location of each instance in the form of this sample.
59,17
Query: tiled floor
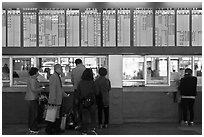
121,129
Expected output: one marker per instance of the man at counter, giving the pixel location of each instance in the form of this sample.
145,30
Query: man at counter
75,79
56,94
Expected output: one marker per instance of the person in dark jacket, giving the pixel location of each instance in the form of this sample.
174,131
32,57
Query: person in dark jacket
103,87
188,91
86,90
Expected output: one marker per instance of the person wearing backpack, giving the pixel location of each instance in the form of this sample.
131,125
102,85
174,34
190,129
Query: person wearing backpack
86,92
103,87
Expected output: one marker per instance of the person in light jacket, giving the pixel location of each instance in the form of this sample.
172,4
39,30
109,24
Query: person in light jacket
32,95
188,91
56,95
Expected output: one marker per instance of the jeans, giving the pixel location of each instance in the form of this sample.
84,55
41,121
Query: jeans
102,109
33,115
76,110
187,104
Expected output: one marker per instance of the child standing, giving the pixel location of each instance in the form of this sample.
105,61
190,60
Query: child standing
103,86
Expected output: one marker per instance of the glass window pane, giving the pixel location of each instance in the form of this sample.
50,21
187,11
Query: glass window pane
21,66
46,67
157,70
143,27
67,63
196,27
133,70
95,63
198,70
5,69
3,28
183,30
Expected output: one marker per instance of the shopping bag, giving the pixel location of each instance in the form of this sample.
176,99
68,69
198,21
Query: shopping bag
63,122
51,113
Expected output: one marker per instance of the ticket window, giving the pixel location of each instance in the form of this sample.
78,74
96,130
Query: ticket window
157,70
5,69
21,66
133,71
198,70
46,67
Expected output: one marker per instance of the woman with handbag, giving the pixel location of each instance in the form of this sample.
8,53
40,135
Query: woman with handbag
32,95
86,92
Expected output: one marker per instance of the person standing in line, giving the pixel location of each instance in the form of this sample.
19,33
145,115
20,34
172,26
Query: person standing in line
56,95
86,93
188,91
103,87
32,95
75,79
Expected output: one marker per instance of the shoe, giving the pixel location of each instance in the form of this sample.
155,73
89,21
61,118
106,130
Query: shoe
106,126
184,123
191,123
94,132
84,133
77,127
33,131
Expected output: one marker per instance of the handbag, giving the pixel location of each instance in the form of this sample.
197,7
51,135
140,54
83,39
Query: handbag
63,122
88,101
51,113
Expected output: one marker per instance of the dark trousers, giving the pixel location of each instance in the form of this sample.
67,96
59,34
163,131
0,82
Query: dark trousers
88,114
104,109
187,104
76,110
33,115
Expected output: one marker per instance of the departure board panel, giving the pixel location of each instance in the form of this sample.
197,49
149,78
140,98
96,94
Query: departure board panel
14,27
183,33
109,28
143,27
196,27
72,20
123,32
165,27
3,28
90,28
29,28
51,28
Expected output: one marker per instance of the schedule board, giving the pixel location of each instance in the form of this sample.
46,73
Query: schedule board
196,27
29,29
51,28
90,28
3,28
183,31
143,27
72,30
123,28
14,27
109,28
165,27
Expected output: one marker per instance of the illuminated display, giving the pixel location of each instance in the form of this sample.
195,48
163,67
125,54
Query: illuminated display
29,29
90,28
143,27
51,28
14,27
165,28
109,28
72,20
196,27
123,27
183,33
3,28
